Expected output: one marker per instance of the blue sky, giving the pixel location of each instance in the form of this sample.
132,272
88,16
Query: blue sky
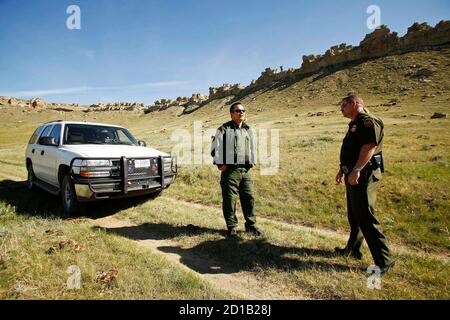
143,50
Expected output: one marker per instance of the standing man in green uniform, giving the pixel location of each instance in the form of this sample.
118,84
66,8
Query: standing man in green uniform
233,150
361,167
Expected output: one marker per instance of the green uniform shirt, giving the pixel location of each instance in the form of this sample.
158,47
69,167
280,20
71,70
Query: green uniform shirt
365,129
233,145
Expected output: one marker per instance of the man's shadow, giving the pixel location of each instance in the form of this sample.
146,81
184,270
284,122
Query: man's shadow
37,202
233,255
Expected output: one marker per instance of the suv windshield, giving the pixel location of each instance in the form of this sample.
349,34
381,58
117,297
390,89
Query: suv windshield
92,134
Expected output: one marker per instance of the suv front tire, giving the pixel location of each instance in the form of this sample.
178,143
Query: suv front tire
69,197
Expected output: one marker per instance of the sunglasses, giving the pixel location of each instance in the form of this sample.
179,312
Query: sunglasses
239,111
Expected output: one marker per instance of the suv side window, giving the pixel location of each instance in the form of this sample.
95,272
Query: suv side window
56,132
46,131
35,135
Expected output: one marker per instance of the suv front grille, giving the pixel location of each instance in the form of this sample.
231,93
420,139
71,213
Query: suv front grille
150,170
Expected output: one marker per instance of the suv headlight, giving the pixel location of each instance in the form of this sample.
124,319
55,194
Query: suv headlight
96,163
170,164
92,168
167,164
174,165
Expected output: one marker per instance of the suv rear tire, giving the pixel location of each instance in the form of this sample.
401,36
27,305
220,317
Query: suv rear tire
31,178
69,197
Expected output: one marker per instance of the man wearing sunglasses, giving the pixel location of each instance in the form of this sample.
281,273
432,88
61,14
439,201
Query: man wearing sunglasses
361,167
233,150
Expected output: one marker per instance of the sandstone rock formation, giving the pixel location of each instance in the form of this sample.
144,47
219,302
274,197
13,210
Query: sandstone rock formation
37,103
225,90
420,35
13,102
381,42
116,106
197,98
182,100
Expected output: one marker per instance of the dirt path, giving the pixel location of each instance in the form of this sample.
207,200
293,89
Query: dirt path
243,284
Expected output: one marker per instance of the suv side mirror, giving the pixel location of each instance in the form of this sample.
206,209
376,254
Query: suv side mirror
142,143
47,141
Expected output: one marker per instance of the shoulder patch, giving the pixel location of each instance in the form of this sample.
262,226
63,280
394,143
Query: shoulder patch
368,123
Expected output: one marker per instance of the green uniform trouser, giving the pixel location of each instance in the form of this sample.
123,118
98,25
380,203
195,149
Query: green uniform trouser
363,224
234,183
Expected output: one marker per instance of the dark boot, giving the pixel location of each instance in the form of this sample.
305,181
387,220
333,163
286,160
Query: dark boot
253,230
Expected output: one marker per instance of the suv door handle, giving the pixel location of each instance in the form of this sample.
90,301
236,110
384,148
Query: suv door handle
32,151
42,152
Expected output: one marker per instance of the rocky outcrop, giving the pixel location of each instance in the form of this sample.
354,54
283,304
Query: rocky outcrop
13,102
225,90
270,76
380,43
116,106
197,98
182,100
163,102
420,35
37,103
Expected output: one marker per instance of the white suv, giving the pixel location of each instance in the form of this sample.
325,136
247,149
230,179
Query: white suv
91,161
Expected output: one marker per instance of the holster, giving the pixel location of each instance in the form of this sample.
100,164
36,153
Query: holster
377,162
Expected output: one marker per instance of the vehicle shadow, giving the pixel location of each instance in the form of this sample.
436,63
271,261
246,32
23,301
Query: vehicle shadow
232,255
42,204
160,231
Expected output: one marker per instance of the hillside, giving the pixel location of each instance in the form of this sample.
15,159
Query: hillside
301,210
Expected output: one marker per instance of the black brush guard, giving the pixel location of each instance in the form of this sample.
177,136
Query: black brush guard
128,179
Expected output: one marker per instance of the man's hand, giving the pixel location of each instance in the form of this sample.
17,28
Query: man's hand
339,176
353,177
222,167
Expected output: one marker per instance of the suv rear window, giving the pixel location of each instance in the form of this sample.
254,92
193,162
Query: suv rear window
35,135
